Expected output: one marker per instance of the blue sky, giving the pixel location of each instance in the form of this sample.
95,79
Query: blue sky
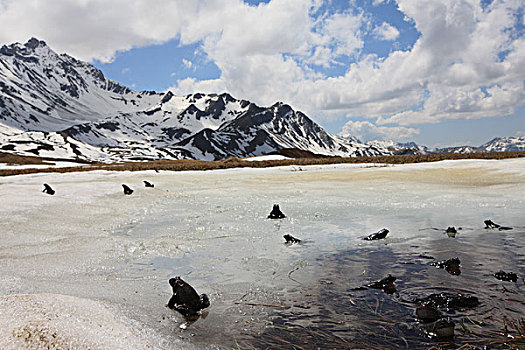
439,72
165,63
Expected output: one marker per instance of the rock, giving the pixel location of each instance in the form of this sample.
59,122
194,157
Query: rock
449,301
148,184
427,313
291,239
440,330
489,224
506,276
276,213
48,189
377,235
452,265
386,284
443,329
127,190
185,299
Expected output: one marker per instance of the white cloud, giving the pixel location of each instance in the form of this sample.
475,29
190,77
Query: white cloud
207,86
90,29
386,32
463,103
187,63
263,51
366,131
441,77
342,30
126,70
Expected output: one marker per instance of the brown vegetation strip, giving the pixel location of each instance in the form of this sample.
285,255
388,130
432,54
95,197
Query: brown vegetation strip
184,165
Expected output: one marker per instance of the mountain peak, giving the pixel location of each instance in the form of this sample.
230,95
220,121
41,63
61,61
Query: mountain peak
33,43
30,51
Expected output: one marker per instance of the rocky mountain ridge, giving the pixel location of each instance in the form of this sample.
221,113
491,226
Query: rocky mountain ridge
498,144
51,103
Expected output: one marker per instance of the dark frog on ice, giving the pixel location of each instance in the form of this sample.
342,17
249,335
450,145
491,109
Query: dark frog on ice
276,213
185,298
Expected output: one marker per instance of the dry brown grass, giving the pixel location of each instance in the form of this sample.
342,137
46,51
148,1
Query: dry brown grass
9,158
184,165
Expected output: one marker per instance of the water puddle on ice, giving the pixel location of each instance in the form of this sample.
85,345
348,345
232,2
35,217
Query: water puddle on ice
211,229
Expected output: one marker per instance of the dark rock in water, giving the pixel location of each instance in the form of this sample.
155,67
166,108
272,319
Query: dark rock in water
451,265
489,224
449,301
276,213
377,235
427,313
440,330
48,189
185,299
291,239
127,190
443,329
386,284
148,184
454,270
506,276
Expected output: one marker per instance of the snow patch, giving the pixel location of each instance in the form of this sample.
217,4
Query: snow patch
266,157
52,321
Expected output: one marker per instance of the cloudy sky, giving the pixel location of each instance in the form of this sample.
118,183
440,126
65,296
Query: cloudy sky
440,72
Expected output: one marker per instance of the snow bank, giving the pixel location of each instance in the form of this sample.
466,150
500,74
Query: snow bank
266,157
52,321
511,165
41,166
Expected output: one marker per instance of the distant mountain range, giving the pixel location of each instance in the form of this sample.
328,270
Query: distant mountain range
53,105
56,106
499,144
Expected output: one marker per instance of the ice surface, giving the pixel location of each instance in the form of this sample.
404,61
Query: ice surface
91,245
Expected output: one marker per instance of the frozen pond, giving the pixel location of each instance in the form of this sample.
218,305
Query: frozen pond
90,250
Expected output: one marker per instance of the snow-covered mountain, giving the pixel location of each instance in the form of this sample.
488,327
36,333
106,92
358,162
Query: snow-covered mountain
499,144
457,150
42,90
399,148
504,144
54,105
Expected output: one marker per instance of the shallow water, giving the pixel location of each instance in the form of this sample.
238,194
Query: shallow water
211,228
